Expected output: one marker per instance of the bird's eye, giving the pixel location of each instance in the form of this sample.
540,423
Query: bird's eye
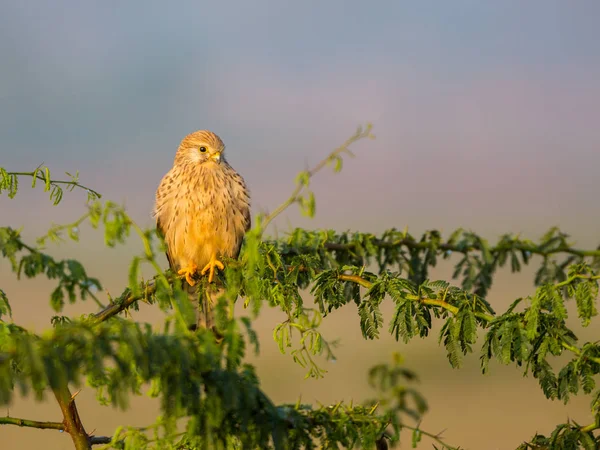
203,149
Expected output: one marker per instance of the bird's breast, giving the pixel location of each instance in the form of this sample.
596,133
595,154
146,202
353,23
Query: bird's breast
208,220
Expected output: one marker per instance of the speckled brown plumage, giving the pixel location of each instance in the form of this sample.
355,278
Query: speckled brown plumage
202,207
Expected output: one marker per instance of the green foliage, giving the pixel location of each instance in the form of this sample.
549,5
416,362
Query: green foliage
26,260
389,380
9,181
193,377
210,398
565,436
5,309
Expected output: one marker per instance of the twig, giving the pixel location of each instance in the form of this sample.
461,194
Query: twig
74,184
591,427
412,244
427,301
360,134
577,351
125,301
436,437
100,440
32,423
60,426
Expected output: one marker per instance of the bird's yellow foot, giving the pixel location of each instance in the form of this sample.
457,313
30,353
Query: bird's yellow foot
210,268
188,272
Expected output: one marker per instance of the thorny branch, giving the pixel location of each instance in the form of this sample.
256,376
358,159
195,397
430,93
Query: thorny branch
32,423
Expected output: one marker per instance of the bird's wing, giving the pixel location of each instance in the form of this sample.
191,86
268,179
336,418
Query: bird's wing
244,208
247,218
247,225
161,231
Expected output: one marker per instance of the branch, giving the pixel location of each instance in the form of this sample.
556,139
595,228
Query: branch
72,421
100,440
487,317
123,302
72,183
436,437
591,427
577,351
32,423
60,426
128,298
577,277
426,301
412,244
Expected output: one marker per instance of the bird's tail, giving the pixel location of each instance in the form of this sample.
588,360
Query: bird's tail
204,299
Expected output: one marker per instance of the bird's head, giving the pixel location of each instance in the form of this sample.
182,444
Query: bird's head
201,147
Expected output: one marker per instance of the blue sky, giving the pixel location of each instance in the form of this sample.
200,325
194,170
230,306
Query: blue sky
500,97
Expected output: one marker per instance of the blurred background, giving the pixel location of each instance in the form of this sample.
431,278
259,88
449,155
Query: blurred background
486,116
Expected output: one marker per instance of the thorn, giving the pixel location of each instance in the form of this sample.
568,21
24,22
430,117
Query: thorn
91,433
439,435
336,407
375,406
75,395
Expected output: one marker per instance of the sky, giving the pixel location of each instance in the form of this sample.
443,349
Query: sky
483,99
486,113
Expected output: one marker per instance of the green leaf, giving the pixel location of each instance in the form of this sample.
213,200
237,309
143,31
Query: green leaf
5,308
308,205
416,437
57,299
449,334
371,318
13,186
183,306
303,178
56,195
515,265
34,177
134,275
548,382
586,293
47,178
252,336
532,314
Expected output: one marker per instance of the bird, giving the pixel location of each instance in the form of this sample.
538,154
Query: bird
202,210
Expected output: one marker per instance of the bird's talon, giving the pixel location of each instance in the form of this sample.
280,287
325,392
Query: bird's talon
210,268
188,272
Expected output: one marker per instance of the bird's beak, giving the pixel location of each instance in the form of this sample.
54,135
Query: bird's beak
216,157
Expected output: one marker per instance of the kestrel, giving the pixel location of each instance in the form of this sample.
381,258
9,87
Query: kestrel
202,207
